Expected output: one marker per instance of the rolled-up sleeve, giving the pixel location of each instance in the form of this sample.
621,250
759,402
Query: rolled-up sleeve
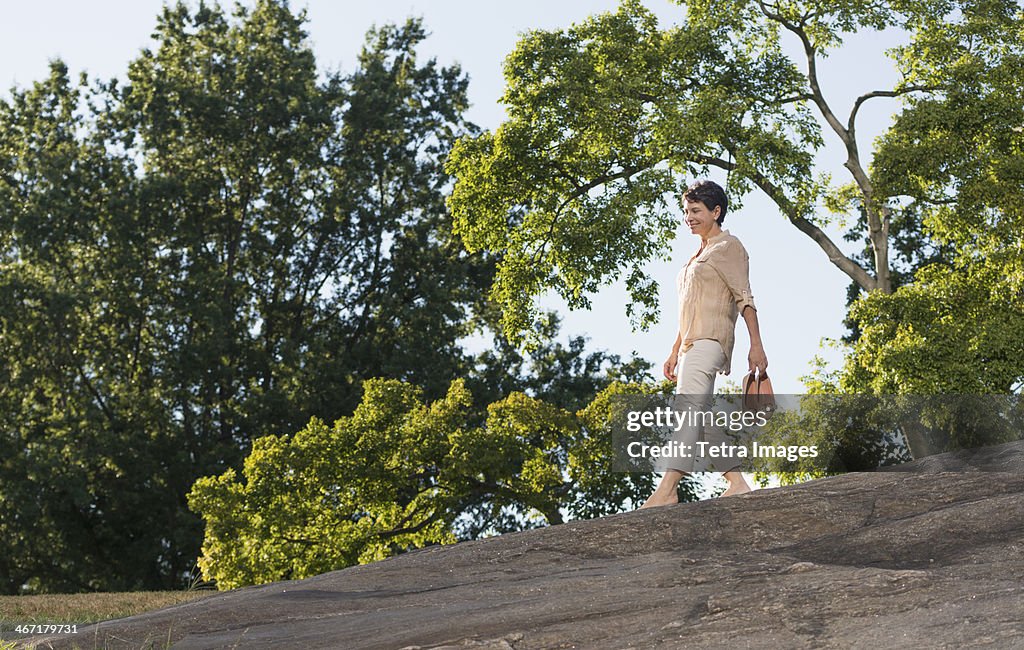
733,264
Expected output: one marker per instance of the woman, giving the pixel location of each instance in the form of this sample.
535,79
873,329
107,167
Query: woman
713,288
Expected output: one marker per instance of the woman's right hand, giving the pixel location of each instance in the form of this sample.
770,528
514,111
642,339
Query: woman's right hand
670,366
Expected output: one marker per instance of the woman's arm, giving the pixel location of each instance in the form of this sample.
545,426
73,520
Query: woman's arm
669,369
734,268
756,358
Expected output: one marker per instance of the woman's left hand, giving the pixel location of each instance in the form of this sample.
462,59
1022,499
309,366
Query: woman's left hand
757,359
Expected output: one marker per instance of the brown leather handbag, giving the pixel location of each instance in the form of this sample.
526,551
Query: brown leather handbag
757,393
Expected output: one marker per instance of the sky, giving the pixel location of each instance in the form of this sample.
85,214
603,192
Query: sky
799,294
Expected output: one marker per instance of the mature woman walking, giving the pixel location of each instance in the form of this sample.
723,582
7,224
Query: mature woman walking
713,289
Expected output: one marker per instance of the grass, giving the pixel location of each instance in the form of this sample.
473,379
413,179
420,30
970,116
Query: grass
83,609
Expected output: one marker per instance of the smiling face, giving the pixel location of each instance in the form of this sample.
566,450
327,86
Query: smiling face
701,221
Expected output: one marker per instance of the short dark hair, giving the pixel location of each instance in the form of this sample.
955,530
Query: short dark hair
711,195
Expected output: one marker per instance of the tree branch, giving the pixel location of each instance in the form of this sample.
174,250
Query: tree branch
878,218
938,201
795,98
579,191
855,271
626,172
880,93
410,529
816,94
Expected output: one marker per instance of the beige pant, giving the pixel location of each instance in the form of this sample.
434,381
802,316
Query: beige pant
695,385
698,367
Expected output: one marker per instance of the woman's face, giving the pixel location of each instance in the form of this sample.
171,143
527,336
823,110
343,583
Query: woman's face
700,220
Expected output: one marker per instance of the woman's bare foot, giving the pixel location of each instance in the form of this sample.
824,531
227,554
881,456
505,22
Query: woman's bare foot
665,494
737,484
734,489
659,499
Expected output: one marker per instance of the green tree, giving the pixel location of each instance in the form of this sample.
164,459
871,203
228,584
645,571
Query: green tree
401,474
607,118
76,396
216,249
307,221
957,159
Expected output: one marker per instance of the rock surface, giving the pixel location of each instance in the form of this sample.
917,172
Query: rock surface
933,558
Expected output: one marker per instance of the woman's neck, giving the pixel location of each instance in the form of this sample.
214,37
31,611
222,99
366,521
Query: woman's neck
714,232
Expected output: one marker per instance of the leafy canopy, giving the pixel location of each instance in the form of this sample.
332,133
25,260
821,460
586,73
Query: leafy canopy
954,158
401,474
607,119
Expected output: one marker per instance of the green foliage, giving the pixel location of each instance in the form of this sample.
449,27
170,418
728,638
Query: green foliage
348,493
948,332
607,118
79,395
400,474
217,248
956,160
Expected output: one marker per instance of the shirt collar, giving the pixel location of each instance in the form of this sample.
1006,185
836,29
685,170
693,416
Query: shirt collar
703,251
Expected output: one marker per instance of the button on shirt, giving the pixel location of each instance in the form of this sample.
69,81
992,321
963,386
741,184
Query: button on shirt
713,289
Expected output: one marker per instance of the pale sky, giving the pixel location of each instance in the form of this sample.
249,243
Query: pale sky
799,294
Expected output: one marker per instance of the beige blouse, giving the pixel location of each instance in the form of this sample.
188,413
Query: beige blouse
713,289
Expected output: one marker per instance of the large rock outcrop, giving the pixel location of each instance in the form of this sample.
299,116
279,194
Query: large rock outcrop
932,558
